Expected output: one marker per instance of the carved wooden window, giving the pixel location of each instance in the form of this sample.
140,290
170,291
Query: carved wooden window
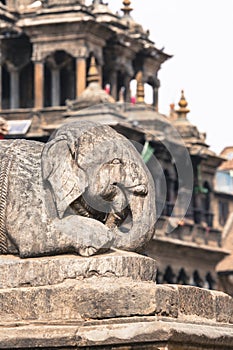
223,211
182,278
169,275
210,281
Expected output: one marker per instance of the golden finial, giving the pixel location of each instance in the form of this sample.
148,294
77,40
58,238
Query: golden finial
127,9
140,88
183,110
93,74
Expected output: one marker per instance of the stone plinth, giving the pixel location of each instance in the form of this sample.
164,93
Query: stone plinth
35,272
110,301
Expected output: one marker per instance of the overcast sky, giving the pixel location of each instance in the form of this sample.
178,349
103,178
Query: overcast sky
199,35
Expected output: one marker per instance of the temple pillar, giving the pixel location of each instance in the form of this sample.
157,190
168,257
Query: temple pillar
127,88
39,84
55,86
80,75
113,84
156,98
100,70
14,88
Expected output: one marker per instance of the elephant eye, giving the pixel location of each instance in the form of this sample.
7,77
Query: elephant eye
116,161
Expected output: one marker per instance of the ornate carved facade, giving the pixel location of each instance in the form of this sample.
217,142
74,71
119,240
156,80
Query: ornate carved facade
46,48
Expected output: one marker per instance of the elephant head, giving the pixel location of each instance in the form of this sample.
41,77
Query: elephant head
97,173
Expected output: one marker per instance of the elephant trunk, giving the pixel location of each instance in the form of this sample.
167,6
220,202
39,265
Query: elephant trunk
143,213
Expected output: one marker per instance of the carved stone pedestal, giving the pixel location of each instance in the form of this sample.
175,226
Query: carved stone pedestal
110,301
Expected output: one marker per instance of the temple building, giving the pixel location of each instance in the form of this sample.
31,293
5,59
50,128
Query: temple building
224,209
46,47
64,60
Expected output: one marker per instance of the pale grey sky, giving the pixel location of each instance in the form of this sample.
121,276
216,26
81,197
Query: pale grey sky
199,35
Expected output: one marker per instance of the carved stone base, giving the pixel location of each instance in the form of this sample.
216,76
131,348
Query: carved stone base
53,270
110,301
70,288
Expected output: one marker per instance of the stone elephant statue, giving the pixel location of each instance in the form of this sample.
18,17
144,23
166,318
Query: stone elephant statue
84,191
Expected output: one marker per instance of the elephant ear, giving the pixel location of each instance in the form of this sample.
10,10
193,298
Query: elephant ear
59,167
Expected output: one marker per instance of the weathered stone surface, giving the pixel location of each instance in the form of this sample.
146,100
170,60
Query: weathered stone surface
181,334
109,301
196,302
41,336
16,272
167,301
68,287
109,312
119,284
93,298
124,334
224,307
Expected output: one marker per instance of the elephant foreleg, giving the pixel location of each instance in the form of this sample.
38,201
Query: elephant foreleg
82,235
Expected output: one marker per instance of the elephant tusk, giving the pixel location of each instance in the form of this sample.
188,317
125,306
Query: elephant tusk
112,219
139,189
115,219
82,208
109,193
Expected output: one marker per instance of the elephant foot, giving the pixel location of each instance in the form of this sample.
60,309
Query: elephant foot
82,235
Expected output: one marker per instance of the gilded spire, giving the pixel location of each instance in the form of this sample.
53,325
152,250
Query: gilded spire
183,110
93,74
126,9
140,88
